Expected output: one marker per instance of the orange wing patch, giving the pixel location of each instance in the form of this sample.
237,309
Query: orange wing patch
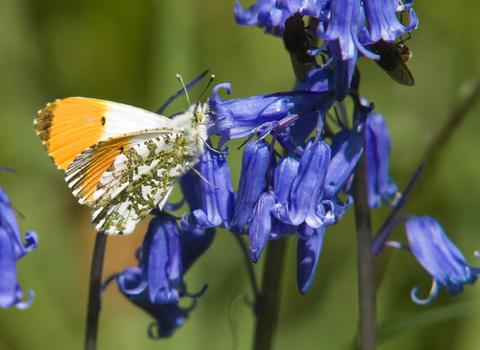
86,170
67,127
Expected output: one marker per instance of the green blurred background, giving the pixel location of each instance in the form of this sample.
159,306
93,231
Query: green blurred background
129,52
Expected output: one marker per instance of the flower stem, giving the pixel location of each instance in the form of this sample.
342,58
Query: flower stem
93,308
366,259
248,262
268,306
469,94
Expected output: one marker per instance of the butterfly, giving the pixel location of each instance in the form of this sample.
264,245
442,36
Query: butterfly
120,160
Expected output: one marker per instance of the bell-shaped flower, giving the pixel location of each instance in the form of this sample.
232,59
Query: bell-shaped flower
156,285
347,19
216,197
380,184
347,147
439,257
382,22
252,184
264,14
12,248
247,116
308,253
305,195
272,14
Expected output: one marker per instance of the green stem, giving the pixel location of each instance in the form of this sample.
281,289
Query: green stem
248,262
93,308
366,259
469,94
268,305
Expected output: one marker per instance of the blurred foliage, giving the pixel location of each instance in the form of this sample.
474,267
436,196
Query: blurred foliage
129,52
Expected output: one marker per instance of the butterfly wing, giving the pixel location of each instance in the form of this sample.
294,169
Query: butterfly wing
85,171
140,179
67,127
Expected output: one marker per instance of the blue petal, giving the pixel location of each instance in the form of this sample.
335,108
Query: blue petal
217,203
161,259
168,316
12,248
304,7
347,147
285,174
346,21
382,22
8,271
308,253
261,225
251,185
194,244
264,14
380,184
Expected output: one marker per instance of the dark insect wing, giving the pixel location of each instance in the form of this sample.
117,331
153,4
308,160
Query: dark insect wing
402,75
393,59
295,39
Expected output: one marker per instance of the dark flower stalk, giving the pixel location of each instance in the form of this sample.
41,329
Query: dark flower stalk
93,306
366,259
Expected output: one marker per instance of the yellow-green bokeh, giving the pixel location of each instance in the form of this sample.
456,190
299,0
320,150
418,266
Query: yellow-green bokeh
129,52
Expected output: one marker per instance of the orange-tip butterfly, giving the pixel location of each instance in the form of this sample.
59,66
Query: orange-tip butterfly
120,160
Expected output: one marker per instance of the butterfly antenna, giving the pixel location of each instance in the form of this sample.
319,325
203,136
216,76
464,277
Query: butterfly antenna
212,78
204,179
179,77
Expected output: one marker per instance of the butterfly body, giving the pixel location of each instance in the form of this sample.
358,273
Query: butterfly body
120,160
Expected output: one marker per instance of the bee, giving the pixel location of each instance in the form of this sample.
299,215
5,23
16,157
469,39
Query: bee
393,60
295,38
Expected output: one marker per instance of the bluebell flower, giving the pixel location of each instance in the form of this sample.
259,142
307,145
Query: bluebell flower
156,285
263,113
382,22
272,14
211,203
12,248
252,184
304,201
264,14
347,147
380,184
439,257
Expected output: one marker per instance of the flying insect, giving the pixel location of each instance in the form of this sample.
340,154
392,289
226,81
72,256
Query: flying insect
393,60
295,38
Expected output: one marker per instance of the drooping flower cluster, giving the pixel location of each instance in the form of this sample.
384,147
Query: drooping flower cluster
12,248
298,181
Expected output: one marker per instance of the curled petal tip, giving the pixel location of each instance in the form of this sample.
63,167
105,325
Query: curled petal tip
433,293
